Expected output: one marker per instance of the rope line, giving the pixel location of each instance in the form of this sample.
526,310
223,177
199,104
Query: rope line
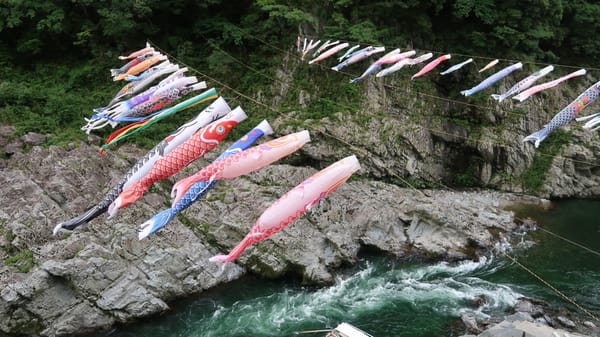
560,293
547,284
570,241
477,141
322,66
388,85
209,77
541,228
364,152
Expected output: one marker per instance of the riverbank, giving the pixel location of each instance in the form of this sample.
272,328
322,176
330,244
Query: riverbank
562,248
102,275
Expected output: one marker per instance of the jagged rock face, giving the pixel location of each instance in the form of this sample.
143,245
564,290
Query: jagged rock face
101,274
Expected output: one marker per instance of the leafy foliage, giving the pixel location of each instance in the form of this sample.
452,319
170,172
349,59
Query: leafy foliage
530,30
22,260
534,177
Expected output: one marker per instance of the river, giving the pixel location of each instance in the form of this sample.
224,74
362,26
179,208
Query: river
390,298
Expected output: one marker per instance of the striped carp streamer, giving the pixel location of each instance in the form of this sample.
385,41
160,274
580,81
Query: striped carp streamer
133,128
524,84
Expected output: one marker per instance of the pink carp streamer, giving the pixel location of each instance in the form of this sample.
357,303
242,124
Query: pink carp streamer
244,162
329,52
193,148
429,66
143,51
534,90
293,204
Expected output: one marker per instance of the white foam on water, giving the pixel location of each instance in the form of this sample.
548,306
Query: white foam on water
445,288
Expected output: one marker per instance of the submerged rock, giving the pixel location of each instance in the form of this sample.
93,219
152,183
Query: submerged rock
565,322
470,323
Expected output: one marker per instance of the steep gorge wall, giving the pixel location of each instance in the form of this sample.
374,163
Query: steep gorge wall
424,132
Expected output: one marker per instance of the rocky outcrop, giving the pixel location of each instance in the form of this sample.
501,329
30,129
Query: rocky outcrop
101,274
12,144
533,318
518,328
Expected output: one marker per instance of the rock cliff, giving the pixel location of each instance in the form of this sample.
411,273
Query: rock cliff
425,131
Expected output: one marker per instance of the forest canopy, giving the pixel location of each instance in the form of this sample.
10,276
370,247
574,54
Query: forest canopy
541,30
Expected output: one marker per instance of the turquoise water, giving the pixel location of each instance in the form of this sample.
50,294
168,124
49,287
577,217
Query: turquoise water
389,298
569,268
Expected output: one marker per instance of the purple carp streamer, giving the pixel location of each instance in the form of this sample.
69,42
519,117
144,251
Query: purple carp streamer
152,102
493,79
137,83
96,122
358,56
